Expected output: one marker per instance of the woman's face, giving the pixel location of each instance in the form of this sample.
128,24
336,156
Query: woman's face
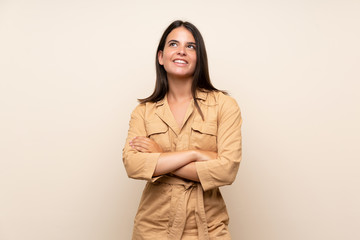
179,54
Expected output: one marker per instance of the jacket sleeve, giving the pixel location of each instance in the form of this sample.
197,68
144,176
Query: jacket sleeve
222,171
138,165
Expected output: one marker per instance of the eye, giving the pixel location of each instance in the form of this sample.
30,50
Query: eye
191,46
172,44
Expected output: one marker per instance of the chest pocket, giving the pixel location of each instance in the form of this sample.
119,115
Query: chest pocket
159,132
204,136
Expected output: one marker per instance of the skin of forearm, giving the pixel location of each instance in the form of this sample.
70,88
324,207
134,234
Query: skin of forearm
188,171
171,161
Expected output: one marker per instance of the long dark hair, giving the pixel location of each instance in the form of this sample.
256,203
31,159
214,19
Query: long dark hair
201,74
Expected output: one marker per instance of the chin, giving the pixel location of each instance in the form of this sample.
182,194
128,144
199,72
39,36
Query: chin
181,75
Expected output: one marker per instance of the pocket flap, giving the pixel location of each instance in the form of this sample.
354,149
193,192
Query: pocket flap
205,127
156,128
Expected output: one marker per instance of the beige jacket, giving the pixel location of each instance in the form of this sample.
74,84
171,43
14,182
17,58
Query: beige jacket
172,207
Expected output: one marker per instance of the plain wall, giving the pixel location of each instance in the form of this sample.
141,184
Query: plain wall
70,74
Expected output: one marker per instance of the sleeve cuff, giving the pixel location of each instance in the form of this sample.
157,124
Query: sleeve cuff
150,166
204,176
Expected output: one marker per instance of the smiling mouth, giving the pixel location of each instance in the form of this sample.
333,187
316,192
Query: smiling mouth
180,61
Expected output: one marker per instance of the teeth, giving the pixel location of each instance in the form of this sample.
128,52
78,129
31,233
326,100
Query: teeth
179,61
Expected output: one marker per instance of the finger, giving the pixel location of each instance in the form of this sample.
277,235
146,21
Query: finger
148,141
144,139
138,143
141,141
141,149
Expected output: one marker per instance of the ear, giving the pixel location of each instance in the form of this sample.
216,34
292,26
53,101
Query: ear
160,57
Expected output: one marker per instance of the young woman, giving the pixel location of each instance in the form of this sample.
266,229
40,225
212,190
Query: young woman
185,140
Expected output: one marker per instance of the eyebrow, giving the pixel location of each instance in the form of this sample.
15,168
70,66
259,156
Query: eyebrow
176,41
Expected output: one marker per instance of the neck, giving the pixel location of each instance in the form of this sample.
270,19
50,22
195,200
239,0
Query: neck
179,89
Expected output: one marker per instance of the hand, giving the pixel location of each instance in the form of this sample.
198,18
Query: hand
205,155
145,145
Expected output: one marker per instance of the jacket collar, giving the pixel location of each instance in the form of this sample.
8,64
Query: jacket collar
200,94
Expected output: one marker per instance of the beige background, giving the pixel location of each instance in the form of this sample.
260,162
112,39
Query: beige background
71,72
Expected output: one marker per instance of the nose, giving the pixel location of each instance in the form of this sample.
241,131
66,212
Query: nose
181,51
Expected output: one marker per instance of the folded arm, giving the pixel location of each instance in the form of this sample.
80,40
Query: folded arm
180,163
